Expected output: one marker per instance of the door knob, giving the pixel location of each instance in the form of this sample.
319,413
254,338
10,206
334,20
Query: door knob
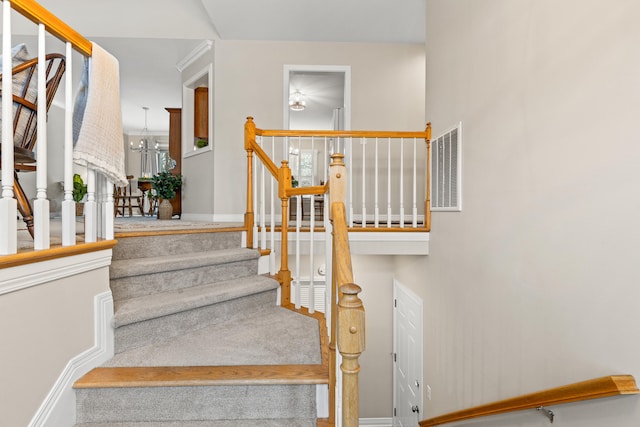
415,409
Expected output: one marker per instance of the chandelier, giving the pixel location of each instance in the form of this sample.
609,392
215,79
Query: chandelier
147,150
296,101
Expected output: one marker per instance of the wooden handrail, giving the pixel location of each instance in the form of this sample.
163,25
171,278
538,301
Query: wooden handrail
342,133
39,15
613,385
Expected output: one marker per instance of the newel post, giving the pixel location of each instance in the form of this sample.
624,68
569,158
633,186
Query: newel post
249,138
351,343
427,202
284,275
337,180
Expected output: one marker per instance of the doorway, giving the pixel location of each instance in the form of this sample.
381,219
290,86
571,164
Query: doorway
317,97
408,356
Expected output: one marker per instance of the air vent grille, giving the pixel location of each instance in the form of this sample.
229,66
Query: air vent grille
446,171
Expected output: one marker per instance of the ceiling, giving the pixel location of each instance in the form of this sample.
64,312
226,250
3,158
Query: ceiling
149,37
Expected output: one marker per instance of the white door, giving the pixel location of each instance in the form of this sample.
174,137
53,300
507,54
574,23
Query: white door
407,352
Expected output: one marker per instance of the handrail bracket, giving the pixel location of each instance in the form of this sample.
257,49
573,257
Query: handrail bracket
546,412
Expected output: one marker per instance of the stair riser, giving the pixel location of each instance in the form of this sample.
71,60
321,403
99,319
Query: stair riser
196,403
155,330
136,286
154,246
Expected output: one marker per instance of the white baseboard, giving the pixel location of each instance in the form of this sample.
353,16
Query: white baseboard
375,422
213,217
59,407
228,218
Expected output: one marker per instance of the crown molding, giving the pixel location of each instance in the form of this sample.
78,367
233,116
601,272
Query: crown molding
195,54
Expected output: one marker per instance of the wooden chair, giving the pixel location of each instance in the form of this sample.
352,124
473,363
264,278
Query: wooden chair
25,111
123,199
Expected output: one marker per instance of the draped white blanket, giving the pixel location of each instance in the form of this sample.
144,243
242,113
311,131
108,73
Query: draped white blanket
97,118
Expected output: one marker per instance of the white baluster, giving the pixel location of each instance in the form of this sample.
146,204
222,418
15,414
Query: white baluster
376,210
100,198
68,205
311,260
107,217
297,276
363,142
414,213
256,209
41,239
389,182
8,205
91,209
272,254
401,182
263,228
350,181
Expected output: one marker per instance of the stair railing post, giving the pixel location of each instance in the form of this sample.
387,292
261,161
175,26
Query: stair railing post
427,202
284,275
351,343
337,180
337,193
249,138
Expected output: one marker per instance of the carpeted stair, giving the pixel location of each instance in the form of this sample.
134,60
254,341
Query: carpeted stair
200,340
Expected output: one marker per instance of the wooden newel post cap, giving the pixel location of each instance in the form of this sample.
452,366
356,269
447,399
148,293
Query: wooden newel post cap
351,334
337,159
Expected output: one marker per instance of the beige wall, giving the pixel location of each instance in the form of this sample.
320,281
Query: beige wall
374,274
387,93
535,283
41,329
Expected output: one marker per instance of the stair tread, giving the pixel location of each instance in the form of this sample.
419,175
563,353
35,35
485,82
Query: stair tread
165,303
203,376
141,266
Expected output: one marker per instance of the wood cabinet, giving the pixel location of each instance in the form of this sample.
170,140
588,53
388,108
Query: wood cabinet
201,114
175,151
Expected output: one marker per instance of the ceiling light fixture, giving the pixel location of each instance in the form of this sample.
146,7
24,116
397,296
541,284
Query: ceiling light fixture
296,102
146,150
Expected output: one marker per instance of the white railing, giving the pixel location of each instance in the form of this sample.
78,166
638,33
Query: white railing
388,190
98,219
310,190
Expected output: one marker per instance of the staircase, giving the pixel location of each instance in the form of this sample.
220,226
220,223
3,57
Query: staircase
201,341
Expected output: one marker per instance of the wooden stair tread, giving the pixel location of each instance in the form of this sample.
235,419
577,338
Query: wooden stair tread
175,376
168,231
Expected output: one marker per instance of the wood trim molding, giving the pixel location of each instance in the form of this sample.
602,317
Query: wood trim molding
38,14
342,133
613,385
38,270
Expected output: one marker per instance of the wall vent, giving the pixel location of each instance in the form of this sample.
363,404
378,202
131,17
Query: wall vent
446,170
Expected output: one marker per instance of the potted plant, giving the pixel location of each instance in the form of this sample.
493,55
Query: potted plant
79,191
164,186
